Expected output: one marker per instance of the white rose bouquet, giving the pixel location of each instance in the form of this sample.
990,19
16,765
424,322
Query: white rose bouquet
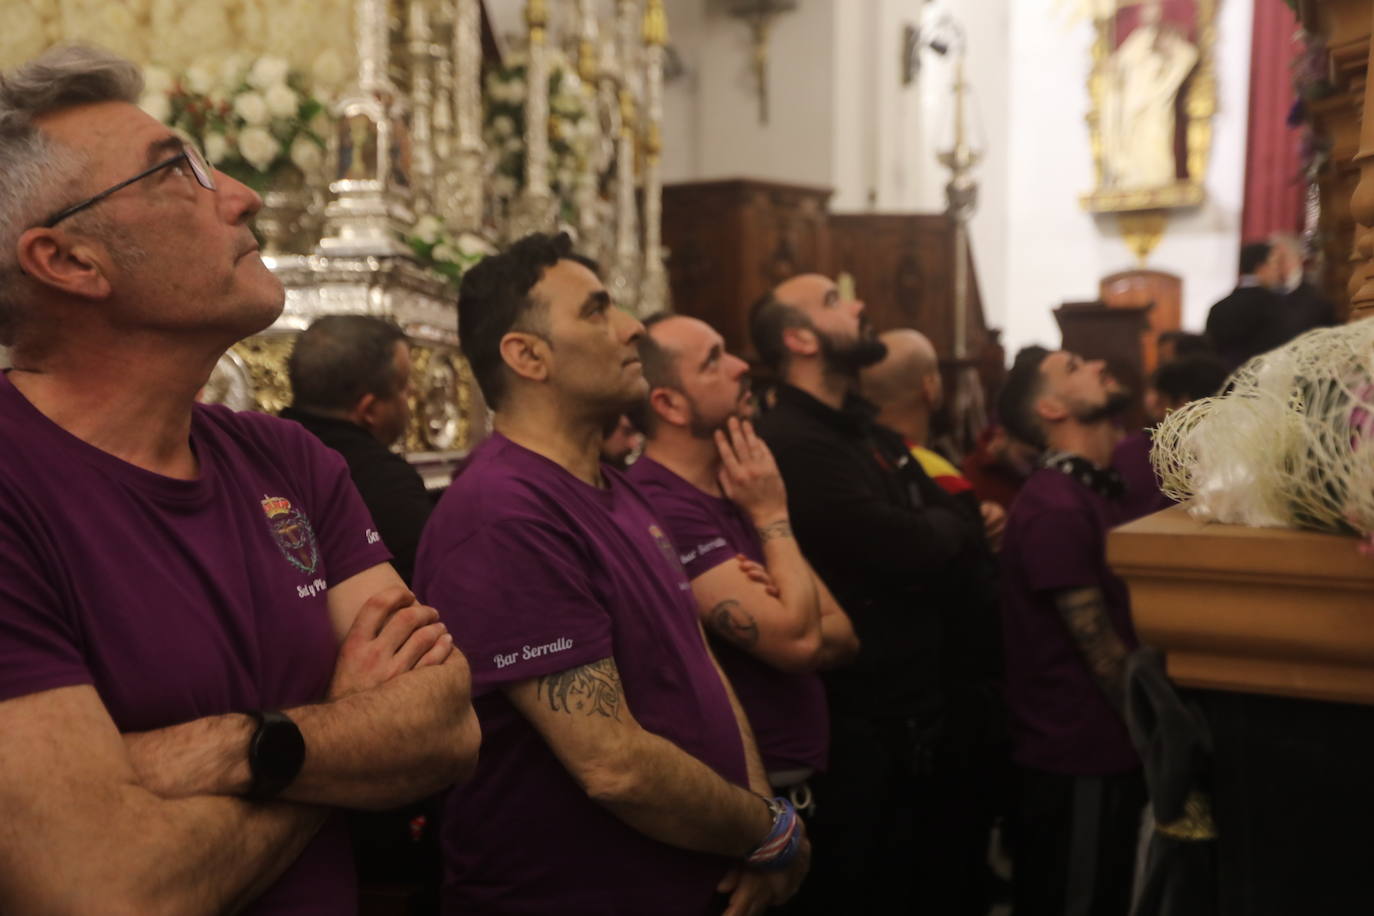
451,255
258,118
570,126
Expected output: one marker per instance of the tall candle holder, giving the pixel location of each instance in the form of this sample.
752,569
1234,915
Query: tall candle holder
653,291
534,209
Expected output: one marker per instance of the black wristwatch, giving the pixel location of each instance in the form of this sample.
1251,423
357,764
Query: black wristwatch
275,754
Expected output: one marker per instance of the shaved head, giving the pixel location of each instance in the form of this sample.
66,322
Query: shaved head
901,376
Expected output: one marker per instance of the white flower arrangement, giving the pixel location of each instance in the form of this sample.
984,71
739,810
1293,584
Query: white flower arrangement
572,128
451,255
253,119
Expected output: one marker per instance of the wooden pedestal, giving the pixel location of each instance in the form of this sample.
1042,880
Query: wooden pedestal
1269,634
1256,610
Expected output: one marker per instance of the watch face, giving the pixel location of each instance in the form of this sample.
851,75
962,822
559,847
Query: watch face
277,754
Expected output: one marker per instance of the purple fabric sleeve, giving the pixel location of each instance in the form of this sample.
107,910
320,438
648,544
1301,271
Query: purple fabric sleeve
1062,549
700,543
518,601
39,647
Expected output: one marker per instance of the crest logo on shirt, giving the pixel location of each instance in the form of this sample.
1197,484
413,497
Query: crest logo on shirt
664,546
292,532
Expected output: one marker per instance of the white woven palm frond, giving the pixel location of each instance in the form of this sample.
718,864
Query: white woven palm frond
1290,443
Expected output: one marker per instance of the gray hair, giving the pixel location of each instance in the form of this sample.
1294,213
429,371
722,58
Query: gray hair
37,169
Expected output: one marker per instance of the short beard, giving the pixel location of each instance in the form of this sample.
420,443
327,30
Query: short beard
1117,403
847,359
697,427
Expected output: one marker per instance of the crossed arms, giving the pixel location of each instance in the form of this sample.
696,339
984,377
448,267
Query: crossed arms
149,823
790,620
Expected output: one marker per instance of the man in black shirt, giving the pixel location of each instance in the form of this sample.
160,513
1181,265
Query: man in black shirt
350,376
1307,307
901,823
1254,318
350,381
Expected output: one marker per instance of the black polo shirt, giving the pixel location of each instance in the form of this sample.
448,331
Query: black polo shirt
907,560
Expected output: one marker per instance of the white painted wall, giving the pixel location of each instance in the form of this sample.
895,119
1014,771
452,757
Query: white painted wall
717,103
841,117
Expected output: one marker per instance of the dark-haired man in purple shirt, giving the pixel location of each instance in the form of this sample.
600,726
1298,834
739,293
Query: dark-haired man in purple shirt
716,487
1067,633
203,648
617,766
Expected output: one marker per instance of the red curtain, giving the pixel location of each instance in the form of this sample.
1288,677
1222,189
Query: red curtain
1274,190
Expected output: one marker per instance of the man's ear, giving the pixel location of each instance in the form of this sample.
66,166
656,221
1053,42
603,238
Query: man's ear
526,354
801,341
75,266
932,387
1050,408
364,413
670,406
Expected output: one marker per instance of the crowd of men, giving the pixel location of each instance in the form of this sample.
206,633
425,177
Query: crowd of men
790,658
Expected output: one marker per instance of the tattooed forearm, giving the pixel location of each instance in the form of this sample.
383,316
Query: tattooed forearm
780,529
1085,615
734,624
593,690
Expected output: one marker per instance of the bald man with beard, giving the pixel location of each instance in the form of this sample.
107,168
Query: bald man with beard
893,829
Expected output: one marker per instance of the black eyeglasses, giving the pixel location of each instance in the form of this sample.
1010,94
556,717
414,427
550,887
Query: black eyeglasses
199,168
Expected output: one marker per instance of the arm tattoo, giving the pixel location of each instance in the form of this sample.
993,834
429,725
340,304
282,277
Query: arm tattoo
1085,615
734,624
593,690
782,529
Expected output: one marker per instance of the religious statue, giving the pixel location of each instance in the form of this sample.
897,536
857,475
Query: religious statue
1143,77
1153,92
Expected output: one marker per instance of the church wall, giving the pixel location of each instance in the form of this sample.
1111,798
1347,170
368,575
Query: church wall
891,154
841,117
711,113
1056,251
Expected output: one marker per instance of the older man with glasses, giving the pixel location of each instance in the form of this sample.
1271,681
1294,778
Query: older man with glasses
203,648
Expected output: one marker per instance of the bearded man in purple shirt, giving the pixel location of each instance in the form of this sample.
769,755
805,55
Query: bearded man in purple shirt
717,488
1067,633
617,766
203,648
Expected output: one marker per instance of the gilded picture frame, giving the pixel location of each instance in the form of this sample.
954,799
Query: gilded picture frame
1124,187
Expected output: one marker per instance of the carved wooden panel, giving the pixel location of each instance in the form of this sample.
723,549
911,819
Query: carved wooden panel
730,242
903,267
1345,249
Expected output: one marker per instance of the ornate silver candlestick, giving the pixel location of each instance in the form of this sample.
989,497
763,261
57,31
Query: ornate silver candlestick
534,208
623,281
462,191
653,291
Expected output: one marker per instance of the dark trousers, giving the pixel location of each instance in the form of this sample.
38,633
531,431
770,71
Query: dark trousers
1075,843
899,828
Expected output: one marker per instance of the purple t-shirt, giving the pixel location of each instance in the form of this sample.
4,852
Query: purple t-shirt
1131,459
536,572
1056,539
787,711
179,599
